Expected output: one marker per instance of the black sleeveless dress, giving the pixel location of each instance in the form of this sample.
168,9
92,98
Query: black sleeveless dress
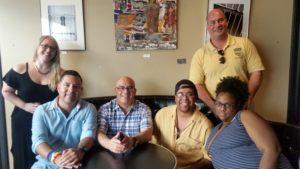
28,91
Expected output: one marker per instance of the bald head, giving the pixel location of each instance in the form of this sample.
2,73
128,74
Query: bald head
215,12
125,80
125,92
217,25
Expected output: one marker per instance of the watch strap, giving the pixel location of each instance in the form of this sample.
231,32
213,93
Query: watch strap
84,149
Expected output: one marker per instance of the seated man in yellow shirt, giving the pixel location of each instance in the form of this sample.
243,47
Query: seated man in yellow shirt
183,129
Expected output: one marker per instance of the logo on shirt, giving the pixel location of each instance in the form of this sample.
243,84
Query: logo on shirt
238,51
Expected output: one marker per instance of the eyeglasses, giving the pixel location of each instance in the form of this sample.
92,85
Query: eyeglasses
122,88
181,94
224,105
45,47
222,58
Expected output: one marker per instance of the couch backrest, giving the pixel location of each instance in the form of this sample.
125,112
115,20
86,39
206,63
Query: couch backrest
155,103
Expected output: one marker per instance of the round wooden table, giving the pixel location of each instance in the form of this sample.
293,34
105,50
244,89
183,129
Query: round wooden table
144,156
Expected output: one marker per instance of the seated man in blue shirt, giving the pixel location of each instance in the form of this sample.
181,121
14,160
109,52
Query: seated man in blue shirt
65,128
124,121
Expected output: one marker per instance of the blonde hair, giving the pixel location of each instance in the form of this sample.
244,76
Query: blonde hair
55,62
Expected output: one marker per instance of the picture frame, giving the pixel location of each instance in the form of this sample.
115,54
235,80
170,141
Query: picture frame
64,21
237,13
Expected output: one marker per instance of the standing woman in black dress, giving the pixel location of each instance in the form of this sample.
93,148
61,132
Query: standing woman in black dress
28,85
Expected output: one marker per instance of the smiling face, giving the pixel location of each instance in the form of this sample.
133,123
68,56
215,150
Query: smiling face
69,90
47,50
226,106
185,100
125,91
217,24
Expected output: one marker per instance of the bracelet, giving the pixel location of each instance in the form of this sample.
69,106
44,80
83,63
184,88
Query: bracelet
52,156
49,155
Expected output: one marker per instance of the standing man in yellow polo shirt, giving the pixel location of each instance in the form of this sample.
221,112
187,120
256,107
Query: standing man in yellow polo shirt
224,55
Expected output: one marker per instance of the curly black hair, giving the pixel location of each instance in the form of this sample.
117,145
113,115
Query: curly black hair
237,88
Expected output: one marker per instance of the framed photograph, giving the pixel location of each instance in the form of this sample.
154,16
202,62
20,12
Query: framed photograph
64,21
237,13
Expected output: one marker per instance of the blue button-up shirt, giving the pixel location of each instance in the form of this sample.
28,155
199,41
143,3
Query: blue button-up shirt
51,126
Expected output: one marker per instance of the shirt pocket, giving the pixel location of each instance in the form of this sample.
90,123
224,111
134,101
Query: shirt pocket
189,145
75,128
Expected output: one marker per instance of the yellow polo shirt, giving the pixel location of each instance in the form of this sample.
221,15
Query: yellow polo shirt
189,147
241,58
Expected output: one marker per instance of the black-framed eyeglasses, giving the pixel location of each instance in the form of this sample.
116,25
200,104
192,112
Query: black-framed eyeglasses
222,58
188,94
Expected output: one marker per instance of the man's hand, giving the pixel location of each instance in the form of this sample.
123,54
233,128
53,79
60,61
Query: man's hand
70,158
121,143
128,142
115,143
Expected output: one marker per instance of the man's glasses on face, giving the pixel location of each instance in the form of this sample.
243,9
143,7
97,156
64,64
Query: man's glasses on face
222,58
122,88
181,94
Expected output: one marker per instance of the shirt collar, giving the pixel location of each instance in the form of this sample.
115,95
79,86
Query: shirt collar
230,41
55,104
195,117
117,106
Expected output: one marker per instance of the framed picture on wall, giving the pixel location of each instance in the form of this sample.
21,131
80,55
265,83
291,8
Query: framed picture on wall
64,21
237,13
145,24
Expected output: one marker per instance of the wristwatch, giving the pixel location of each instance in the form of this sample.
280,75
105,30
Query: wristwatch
134,141
83,148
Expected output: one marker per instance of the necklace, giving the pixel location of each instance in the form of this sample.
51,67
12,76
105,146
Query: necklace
40,72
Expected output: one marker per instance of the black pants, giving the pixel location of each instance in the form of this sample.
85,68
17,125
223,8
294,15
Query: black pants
23,156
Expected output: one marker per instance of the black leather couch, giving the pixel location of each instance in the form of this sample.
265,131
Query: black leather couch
288,135
289,138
